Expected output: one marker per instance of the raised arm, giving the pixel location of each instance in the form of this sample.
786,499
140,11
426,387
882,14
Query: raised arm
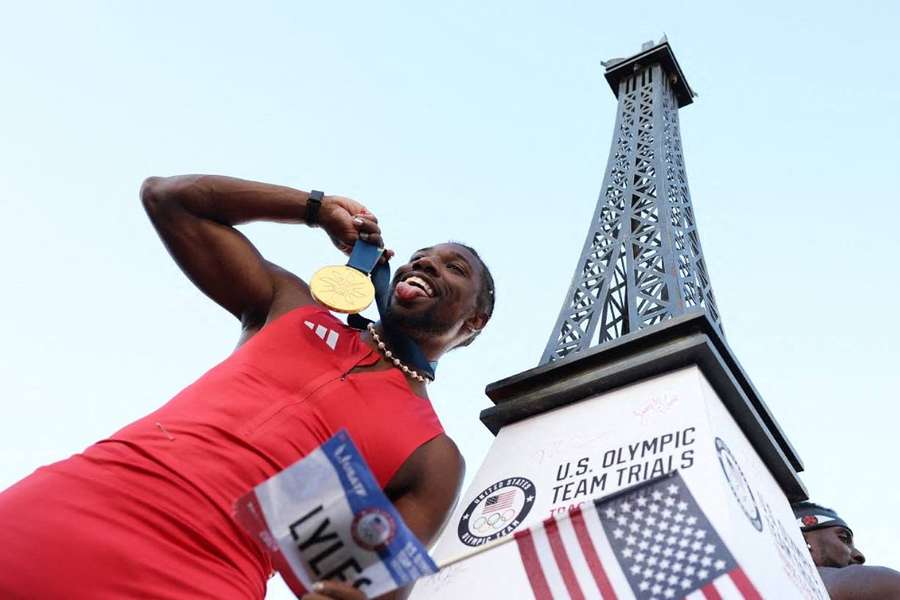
195,216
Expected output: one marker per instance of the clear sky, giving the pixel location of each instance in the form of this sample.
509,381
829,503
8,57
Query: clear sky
484,122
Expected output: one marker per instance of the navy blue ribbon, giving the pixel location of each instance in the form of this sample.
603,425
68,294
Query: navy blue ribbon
364,257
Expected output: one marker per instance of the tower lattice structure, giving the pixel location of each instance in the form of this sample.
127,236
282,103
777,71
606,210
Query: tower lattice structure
642,261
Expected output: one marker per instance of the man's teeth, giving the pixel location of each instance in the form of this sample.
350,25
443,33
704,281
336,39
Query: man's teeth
419,283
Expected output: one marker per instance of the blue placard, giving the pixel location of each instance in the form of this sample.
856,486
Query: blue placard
377,526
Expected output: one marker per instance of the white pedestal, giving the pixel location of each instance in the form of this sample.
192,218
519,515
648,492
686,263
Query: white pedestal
617,415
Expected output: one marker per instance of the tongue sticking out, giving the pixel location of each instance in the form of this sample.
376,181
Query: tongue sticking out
406,291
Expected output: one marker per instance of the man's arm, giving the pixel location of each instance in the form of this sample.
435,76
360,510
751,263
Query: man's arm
859,582
427,486
195,217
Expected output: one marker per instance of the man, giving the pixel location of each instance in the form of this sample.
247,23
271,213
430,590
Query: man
840,564
147,512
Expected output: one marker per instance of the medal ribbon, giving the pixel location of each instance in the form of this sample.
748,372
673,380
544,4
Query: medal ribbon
364,257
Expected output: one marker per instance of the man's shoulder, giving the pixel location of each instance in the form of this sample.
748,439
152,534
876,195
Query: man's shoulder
444,449
441,454
437,465
861,582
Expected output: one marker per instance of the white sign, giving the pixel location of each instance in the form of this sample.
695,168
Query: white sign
563,459
325,517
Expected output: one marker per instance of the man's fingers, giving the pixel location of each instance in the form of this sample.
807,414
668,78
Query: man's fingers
366,214
366,224
369,231
351,206
372,238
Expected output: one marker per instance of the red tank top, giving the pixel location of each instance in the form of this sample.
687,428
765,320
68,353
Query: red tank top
147,512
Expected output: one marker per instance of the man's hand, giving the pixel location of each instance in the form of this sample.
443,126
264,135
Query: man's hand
334,590
346,220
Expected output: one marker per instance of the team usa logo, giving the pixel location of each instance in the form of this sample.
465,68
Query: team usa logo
738,483
373,529
496,511
809,520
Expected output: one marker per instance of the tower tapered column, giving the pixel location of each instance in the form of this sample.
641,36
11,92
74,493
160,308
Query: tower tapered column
642,261
574,435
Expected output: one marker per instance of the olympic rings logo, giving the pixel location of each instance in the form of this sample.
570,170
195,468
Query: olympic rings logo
494,521
496,511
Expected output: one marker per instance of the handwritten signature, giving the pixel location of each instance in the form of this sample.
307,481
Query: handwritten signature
658,405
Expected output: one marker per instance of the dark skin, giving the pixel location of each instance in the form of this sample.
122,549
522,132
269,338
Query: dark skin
196,215
833,547
841,567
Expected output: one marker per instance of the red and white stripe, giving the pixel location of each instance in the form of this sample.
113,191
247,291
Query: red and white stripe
734,584
571,557
500,501
562,559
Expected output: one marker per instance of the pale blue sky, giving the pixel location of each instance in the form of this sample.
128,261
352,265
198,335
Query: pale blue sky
484,122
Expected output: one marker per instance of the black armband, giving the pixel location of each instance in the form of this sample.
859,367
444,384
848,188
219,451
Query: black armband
313,204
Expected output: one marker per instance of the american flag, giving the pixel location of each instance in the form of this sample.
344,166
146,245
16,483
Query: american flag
650,542
500,501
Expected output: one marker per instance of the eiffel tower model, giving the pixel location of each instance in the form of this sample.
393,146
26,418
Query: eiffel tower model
636,381
642,262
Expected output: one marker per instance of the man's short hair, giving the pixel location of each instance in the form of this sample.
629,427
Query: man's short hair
486,292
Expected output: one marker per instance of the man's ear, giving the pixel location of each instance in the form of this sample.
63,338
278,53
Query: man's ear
476,322
810,546
471,327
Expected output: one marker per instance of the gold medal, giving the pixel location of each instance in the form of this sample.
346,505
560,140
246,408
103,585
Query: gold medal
342,288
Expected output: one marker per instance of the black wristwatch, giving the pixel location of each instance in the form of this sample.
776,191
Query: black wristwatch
313,204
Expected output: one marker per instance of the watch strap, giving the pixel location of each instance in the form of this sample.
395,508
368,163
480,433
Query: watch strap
313,204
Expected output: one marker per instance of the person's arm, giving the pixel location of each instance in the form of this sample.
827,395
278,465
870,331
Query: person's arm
429,485
859,582
195,217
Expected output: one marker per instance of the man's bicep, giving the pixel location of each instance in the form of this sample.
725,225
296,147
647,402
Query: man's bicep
426,507
218,259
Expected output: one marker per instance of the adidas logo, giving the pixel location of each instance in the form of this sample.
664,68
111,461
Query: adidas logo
329,336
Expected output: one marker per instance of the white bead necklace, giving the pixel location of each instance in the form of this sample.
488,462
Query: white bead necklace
390,356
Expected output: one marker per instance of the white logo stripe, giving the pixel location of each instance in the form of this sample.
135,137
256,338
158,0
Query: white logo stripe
548,563
329,336
616,577
332,339
576,557
726,588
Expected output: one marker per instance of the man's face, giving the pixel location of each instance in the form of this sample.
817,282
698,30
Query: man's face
833,547
436,292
